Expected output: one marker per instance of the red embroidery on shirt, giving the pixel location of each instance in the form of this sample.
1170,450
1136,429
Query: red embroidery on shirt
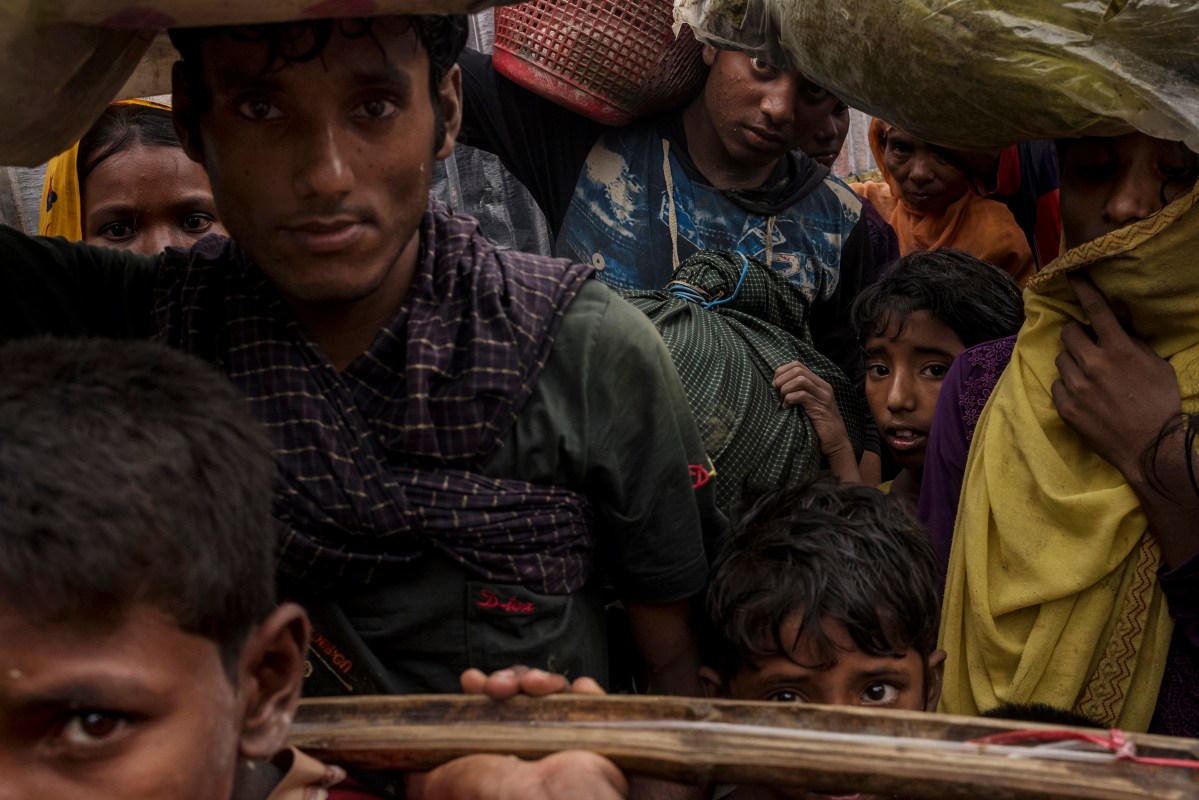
512,605
699,475
339,659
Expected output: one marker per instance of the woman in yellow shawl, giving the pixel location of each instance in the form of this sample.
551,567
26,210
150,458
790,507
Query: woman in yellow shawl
1076,511
128,184
930,204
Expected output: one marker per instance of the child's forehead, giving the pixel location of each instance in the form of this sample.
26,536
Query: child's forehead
917,329
141,644
823,648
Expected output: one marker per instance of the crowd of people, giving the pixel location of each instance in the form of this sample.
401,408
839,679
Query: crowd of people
754,433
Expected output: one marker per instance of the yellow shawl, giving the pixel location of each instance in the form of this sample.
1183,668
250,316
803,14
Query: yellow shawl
61,212
1052,593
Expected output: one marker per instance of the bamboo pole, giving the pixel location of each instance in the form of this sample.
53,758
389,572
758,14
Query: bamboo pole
822,748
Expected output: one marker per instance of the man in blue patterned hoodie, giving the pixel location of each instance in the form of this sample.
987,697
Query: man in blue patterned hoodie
722,172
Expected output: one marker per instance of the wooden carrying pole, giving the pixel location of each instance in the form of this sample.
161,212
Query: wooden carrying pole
822,748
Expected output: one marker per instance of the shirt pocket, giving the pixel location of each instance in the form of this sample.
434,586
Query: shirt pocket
510,624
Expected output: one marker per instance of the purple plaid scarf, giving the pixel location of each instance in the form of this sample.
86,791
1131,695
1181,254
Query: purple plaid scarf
378,464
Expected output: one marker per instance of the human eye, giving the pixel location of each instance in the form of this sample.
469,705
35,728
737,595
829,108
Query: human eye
936,371
815,91
117,232
1091,161
258,110
1179,171
376,109
763,68
877,370
880,694
785,696
85,732
197,223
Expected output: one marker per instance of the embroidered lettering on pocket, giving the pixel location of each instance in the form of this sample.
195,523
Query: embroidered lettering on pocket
507,625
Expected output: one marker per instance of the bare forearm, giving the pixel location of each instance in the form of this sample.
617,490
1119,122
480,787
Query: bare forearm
1169,499
870,468
665,637
844,466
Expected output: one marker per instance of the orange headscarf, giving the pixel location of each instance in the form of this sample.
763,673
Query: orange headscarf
61,211
981,227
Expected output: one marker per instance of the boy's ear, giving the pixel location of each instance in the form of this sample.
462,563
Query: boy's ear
935,674
449,97
709,680
183,114
270,675
709,54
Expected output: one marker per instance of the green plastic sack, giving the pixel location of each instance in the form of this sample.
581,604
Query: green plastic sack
729,322
982,73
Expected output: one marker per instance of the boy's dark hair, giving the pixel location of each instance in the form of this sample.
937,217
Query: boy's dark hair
979,301
441,35
119,128
846,552
1041,712
132,474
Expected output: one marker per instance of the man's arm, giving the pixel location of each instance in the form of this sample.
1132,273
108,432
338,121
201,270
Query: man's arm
542,144
651,489
60,288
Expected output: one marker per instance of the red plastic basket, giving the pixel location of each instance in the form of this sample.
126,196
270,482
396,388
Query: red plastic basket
610,60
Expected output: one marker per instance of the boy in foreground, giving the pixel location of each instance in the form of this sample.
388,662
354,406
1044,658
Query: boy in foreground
825,594
147,657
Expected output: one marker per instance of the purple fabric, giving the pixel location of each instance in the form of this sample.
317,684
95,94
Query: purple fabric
964,393
884,243
377,464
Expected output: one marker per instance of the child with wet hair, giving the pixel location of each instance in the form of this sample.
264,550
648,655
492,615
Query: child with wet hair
912,324
825,593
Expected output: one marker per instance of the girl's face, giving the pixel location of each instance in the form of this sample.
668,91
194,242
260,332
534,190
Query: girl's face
927,182
146,199
1110,182
904,371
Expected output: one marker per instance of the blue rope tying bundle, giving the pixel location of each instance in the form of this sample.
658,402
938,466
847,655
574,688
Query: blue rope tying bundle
686,291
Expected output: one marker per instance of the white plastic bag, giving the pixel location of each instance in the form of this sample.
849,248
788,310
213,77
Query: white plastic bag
982,73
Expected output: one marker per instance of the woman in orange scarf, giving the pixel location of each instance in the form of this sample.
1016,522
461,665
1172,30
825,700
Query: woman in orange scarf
929,203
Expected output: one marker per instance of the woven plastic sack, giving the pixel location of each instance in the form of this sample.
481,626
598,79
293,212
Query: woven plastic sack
61,63
982,73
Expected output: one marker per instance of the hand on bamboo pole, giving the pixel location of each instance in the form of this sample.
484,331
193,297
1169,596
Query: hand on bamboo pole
569,775
561,776
519,679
